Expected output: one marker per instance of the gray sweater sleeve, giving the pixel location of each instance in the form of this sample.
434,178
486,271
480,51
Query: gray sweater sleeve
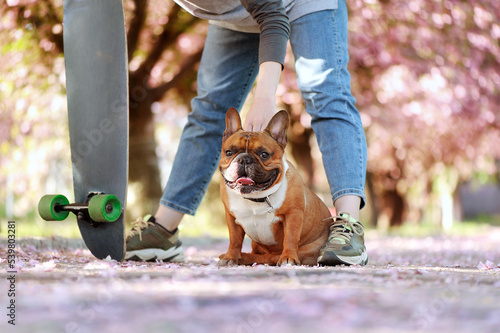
274,28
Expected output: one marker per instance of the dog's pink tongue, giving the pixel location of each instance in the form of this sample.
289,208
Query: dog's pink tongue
245,181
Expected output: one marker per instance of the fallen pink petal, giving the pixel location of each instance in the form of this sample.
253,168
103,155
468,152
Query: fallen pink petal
44,267
488,265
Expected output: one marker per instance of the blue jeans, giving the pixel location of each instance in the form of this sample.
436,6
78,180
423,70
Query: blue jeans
228,69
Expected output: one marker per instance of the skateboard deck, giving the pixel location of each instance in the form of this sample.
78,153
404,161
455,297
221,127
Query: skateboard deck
97,90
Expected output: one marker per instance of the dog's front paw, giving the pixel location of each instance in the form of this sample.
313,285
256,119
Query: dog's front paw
285,261
227,261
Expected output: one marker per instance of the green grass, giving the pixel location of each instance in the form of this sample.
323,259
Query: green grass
36,227
488,219
33,226
426,229
205,223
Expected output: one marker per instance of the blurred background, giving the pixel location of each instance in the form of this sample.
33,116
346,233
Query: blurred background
425,73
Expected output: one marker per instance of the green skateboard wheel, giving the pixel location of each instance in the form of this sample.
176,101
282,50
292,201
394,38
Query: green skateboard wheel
47,207
105,208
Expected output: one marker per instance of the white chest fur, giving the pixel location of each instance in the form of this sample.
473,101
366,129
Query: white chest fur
257,218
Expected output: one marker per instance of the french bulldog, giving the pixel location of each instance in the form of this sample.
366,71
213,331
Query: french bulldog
265,198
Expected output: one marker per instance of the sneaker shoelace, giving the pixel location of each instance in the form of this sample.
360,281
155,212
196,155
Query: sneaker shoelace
342,228
137,226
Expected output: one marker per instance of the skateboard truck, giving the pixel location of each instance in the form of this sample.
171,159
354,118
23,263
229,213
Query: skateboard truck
96,209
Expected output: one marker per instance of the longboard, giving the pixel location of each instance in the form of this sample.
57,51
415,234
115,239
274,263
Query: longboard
95,53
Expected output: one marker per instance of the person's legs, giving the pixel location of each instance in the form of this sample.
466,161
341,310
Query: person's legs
227,71
228,68
348,204
321,62
321,59
169,218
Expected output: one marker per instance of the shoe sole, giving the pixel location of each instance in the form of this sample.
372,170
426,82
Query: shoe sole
331,259
175,254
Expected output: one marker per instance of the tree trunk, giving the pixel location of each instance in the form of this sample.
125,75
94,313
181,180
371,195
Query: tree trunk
372,198
394,207
301,152
300,148
390,207
144,175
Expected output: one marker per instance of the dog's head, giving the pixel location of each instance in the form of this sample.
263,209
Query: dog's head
252,162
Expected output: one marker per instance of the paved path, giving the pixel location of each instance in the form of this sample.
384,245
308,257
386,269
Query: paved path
430,284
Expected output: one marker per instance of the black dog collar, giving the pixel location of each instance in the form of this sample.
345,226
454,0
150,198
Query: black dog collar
265,199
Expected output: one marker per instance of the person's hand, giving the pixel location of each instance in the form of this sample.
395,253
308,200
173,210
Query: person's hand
263,105
259,115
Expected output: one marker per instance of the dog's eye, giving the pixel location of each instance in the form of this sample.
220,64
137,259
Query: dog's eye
229,153
264,155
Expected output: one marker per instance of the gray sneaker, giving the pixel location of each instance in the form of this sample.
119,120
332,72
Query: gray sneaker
150,241
346,244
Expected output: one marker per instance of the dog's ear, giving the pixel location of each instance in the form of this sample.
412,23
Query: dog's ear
278,127
233,123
